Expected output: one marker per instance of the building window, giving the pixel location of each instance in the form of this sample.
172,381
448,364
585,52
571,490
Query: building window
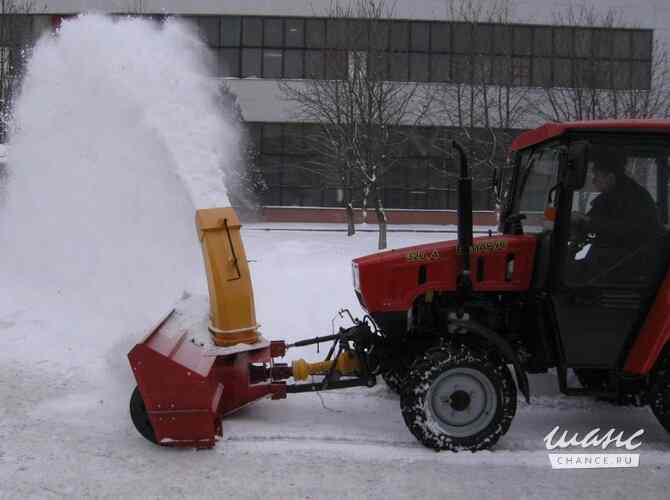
272,63
641,75
541,72
230,62
522,41
230,31
483,39
295,32
521,71
336,33
379,34
563,42
439,68
439,37
418,70
273,31
462,37
542,41
621,75
642,44
602,43
252,32
562,72
314,64
315,33
378,64
503,39
583,42
398,67
399,35
621,44
293,64
462,68
420,36
210,29
251,63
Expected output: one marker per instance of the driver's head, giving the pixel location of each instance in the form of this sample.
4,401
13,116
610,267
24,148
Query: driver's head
608,168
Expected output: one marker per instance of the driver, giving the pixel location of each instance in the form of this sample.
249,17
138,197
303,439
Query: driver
624,213
623,217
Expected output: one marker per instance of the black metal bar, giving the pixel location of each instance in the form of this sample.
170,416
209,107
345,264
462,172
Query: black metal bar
232,251
314,340
335,384
464,284
326,380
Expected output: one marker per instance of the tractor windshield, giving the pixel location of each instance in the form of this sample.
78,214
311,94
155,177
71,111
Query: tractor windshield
537,175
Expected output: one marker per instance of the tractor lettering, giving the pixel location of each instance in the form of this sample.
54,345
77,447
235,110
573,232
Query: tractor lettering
487,247
422,255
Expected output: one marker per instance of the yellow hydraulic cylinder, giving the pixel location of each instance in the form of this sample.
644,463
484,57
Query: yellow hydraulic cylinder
231,297
346,363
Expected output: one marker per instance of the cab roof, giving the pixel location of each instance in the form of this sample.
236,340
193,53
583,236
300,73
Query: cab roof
551,130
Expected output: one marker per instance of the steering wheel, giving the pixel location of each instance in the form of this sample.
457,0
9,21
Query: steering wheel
579,234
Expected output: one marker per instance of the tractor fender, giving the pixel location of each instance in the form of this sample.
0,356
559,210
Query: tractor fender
503,347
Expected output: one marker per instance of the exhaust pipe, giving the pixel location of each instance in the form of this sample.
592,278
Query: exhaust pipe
464,280
231,297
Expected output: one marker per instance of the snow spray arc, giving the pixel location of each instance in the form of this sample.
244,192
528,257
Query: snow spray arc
593,439
116,140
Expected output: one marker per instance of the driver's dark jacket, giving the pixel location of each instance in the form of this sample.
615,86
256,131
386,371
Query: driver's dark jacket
625,217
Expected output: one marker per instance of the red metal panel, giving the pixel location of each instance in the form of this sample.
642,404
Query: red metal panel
653,336
186,389
389,280
551,130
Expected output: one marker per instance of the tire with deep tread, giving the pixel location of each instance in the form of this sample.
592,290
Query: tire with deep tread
140,417
395,379
441,362
659,394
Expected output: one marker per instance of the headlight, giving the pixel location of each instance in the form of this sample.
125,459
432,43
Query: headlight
357,279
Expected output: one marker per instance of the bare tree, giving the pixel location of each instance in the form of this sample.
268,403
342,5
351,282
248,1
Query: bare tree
485,96
600,88
357,110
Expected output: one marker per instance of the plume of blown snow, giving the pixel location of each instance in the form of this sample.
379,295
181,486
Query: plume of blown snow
117,138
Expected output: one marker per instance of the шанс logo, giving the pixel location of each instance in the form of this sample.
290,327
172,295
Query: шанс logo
592,439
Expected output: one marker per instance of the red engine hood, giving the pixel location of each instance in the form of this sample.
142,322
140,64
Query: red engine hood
391,280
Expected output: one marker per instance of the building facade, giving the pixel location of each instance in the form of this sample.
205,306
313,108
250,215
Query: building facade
257,44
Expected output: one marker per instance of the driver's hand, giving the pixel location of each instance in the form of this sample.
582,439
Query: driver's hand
579,219
578,225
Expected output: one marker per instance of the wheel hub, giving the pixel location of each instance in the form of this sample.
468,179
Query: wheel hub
459,400
463,401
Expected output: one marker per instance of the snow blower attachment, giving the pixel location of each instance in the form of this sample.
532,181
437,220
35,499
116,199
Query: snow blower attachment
232,312
207,359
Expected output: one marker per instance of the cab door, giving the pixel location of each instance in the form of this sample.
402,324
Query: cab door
605,283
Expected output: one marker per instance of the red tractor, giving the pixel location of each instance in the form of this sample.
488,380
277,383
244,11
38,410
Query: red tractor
576,279
549,291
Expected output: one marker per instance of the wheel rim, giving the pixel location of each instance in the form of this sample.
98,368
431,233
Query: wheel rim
462,401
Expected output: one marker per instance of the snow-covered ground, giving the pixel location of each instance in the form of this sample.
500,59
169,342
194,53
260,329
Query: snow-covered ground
64,433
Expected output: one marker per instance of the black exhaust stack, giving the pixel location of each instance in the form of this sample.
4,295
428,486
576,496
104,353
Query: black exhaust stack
464,281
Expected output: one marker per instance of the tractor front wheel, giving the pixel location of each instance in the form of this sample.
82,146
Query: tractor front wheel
395,379
459,398
140,417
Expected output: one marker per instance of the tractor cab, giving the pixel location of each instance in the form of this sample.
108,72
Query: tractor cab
595,194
